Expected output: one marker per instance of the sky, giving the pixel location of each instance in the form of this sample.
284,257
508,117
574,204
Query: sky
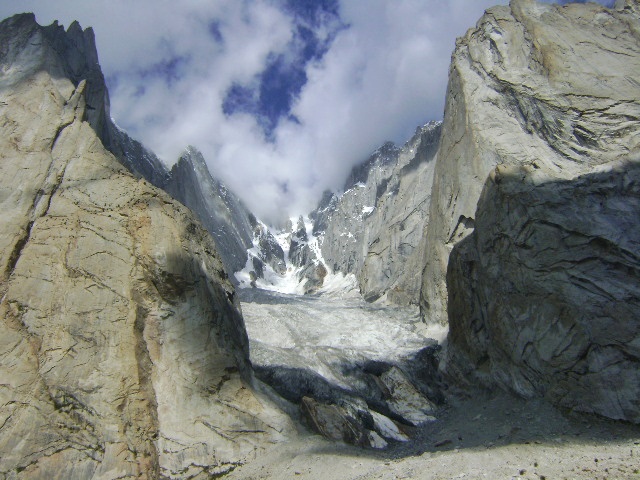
282,97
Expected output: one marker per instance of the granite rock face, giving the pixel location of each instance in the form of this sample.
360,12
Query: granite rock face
299,251
533,84
72,55
392,267
543,296
375,229
219,209
268,249
122,347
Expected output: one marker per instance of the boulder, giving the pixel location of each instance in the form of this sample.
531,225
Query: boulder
535,206
544,295
404,400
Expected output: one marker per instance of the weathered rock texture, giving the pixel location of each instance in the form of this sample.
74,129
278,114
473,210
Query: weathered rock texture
544,296
533,84
376,228
122,348
268,249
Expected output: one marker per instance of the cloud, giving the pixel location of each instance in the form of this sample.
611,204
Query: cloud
282,97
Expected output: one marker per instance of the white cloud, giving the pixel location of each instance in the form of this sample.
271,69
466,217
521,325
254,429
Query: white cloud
383,76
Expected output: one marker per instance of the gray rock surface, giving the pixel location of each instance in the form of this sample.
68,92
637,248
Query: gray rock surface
334,422
552,87
392,267
72,55
221,212
123,352
269,250
375,229
299,251
138,159
543,296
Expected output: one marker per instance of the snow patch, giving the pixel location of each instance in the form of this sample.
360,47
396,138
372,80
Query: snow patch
367,210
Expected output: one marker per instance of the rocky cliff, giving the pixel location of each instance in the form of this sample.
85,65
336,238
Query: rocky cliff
539,158
123,352
72,55
375,229
219,209
544,295
533,84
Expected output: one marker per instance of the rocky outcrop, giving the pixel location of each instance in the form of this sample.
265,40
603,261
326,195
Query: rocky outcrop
375,229
322,214
543,296
533,84
123,352
382,404
72,55
300,253
268,250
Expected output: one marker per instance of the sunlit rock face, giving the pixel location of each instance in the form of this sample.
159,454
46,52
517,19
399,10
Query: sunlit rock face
70,56
533,84
123,352
375,229
539,159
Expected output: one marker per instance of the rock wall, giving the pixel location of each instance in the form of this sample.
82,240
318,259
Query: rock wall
543,296
219,209
392,267
122,347
375,229
533,84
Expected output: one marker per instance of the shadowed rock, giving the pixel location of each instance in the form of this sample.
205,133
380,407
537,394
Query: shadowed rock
544,295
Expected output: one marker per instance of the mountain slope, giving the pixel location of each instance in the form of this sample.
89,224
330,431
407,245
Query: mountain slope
219,209
72,55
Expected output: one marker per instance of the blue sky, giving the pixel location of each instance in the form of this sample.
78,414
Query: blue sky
283,97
